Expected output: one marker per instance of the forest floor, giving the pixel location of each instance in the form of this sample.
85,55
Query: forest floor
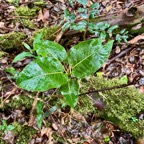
60,125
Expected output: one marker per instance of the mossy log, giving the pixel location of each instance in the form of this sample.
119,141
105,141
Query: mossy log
128,19
14,40
120,105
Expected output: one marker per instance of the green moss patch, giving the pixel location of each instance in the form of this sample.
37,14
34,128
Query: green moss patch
121,105
17,102
23,133
11,40
26,11
48,32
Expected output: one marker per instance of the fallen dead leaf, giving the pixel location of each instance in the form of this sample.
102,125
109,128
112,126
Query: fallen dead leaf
136,39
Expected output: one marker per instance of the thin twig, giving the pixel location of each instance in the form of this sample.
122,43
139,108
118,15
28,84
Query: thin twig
122,53
105,89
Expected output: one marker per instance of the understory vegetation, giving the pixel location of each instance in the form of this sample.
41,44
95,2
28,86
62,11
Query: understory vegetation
65,74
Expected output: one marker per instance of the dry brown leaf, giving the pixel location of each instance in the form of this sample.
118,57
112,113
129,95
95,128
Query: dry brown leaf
46,131
46,14
136,39
2,25
54,126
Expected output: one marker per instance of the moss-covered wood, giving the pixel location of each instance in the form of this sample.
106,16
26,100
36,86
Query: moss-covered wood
121,105
14,40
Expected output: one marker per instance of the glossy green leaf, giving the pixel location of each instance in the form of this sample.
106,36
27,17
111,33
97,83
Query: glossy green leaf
21,56
102,25
10,127
42,74
95,6
69,16
39,111
81,26
50,111
70,92
12,71
48,48
110,30
88,56
83,2
82,10
93,13
27,46
37,39
66,25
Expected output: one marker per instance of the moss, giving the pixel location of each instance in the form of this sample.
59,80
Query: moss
11,40
48,33
26,11
23,133
2,141
85,105
121,104
18,102
13,1
40,3
28,23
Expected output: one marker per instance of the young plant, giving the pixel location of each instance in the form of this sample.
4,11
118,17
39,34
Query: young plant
85,23
4,127
53,67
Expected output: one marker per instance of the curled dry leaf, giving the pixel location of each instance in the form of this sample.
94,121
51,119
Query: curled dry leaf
136,39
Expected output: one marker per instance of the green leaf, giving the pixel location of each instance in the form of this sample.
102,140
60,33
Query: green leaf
42,74
10,127
107,139
69,16
103,35
39,111
122,31
39,107
92,26
1,127
88,56
102,25
110,30
12,71
39,119
71,2
93,13
47,48
118,38
21,56
83,2
84,15
66,25
70,92
4,123
81,26
95,6
82,10
37,39
50,111
27,46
